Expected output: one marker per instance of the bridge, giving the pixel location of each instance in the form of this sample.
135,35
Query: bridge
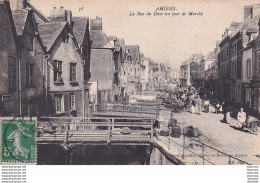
140,109
95,131
114,124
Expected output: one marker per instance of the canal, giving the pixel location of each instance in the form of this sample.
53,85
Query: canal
92,155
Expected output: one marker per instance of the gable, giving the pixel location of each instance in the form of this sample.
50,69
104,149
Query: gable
7,29
52,33
49,32
81,29
30,26
20,18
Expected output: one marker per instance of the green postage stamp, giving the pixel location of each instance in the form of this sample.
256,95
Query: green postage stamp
18,140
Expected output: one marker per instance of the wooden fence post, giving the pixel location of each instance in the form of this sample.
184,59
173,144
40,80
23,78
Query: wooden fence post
113,123
109,131
183,156
66,133
203,153
152,122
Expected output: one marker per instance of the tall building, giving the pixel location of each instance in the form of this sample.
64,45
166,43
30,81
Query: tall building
101,62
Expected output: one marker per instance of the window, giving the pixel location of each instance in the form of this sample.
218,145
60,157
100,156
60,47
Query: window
29,75
72,101
58,72
29,42
59,104
248,68
73,72
65,38
12,73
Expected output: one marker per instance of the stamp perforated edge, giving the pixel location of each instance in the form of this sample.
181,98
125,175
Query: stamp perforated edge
36,150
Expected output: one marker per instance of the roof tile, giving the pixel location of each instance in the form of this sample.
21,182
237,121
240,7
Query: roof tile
20,17
133,50
79,28
99,39
50,31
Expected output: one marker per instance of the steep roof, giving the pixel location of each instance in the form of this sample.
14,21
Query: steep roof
7,4
79,28
20,17
99,39
133,51
49,32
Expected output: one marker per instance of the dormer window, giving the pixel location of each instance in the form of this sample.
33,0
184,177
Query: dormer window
29,41
65,38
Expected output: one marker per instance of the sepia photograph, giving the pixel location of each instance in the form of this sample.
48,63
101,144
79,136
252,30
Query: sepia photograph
140,82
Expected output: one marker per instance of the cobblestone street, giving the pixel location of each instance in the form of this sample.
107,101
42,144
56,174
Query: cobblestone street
242,145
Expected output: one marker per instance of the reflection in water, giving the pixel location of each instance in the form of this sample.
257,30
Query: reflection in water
92,155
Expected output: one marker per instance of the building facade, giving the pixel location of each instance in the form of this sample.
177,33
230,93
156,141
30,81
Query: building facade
185,74
65,73
101,62
32,89
9,103
255,82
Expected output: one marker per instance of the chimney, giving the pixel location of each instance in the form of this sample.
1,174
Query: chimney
68,16
247,11
61,15
53,13
255,10
18,4
96,24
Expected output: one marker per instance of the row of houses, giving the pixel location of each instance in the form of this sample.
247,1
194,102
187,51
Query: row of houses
233,72
198,70
58,64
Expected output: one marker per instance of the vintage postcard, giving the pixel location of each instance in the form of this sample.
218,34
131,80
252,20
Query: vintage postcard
140,82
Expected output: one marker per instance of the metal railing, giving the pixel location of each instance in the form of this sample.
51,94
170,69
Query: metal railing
153,110
95,129
202,156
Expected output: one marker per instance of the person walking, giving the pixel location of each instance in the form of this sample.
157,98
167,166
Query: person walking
187,103
199,105
217,107
193,104
206,106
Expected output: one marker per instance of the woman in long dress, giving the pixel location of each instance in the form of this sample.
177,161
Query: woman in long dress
15,137
193,106
206,105
241,117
